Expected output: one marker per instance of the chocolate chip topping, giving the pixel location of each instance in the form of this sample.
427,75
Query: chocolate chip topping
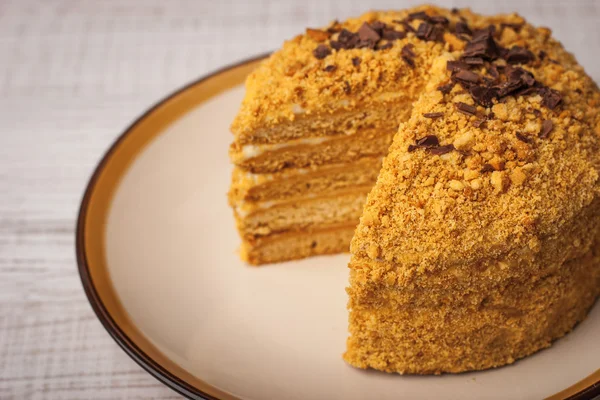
455,66
466,76
433,115
519,55
438,19
428,141
418,15
547,126
522,137
430,32
330,68
551,98
367,33
356,61
461,28
322,51
438,151
482,44
447,88
466,108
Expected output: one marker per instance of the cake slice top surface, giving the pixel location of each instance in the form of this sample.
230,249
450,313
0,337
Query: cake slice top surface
477,173
378,57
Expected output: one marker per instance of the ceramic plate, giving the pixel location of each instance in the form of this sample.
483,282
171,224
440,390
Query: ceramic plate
156,247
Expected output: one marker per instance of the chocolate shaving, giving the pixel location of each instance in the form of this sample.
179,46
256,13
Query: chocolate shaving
345,40
487,168
407,50
547,126
438,151
409,61
466,108
478,122
334,27
542,54
439,20
391,34
321,51
551,98
433,115
428,141
482,45
330,68
407,26
356,61
455,66
519,55
461,28
473,60
484,95
429,32
466,76
367,34
455,10
447,88
384,46
522,137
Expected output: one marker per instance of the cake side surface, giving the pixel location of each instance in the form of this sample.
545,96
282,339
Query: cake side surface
478,243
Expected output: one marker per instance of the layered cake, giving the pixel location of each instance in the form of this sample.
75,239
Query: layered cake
477,244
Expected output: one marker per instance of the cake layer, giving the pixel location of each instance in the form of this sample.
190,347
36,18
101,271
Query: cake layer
298,182
338,149
383,113
303,214
296,245
458,334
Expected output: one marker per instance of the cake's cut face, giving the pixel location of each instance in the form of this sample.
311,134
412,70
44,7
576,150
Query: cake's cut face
478,245
317,119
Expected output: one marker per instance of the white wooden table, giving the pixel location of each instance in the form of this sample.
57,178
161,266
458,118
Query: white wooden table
73,74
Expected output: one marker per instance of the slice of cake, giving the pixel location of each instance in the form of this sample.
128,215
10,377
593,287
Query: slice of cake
317,118
478,245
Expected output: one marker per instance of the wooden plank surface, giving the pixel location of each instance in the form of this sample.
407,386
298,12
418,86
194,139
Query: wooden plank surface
73,74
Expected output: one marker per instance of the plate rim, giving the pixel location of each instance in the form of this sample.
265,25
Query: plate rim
150,365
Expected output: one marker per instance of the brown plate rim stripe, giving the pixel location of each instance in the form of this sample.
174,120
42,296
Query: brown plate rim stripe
137,354
126,343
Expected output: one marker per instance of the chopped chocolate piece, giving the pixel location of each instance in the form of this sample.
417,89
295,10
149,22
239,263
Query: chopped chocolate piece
466,76
347,88
428,141
438,151
407,50
519,55
484,95
461,28
518,79
493,71
487,168
384,46
317,35
546,129
478,122
367,33
447,88
356,61
551,99
454,10
412,147
407,26
433,115
418,15
578,91
429,32
473,60
439,19
537,112
378,27
409,61
391,34
345,40
330,68
483,44
466,108
321,51
522,137
553,61
455,66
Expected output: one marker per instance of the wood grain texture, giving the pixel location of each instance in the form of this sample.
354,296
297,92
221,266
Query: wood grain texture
73,74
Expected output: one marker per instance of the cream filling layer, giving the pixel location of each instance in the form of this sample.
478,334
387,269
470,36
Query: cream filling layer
249,151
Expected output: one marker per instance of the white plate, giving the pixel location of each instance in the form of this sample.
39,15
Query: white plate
157,252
